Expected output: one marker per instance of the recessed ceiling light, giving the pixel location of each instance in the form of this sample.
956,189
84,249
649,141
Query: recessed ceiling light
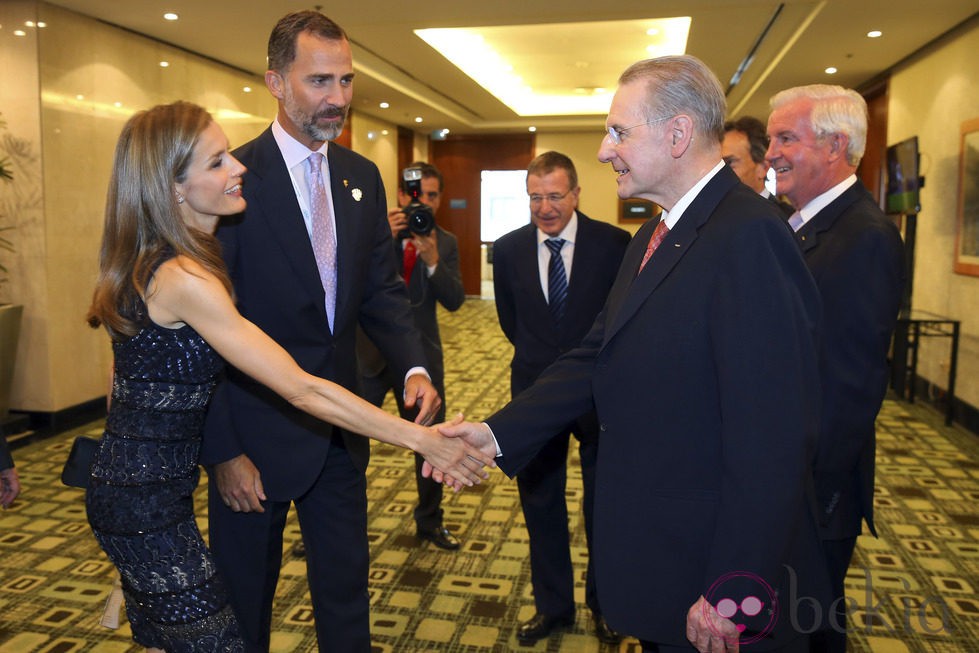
79,97
247,89
419,119
531,129
384,105
19,32
384,132
831,70
117,104
29,23
170,16
875,34
164,64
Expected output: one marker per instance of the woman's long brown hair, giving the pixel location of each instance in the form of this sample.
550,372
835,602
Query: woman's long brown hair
143,225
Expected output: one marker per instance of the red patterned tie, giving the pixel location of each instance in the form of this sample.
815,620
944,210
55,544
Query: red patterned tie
658,235
411,255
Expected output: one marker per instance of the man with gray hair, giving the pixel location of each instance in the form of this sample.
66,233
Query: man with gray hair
702,370
856,256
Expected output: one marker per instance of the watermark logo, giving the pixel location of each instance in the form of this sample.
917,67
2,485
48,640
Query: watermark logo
751,604
747,601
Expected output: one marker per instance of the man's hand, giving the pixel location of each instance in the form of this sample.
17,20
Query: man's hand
9,486
476,435
708,631
240,484
427,247
420,392
398,221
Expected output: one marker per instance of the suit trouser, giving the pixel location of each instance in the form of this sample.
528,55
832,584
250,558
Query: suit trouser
247,549
428,512
542,484
832,639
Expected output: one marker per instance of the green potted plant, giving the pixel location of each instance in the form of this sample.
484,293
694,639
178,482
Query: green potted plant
10,314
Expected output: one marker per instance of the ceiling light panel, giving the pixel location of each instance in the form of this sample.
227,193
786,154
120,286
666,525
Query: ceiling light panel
556,69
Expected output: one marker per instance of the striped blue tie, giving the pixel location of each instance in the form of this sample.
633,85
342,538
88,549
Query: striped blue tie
557,280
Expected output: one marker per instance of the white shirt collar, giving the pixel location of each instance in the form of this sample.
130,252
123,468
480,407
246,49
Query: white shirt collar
673,216
293,152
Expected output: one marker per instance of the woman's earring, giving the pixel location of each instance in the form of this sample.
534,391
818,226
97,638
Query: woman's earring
180,198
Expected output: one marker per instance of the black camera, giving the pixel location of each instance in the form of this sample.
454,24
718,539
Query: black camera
421,220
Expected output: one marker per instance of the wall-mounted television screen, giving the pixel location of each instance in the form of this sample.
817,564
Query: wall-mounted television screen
903,180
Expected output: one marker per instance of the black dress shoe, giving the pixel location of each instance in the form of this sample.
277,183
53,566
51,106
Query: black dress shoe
540,626
603,632
440,537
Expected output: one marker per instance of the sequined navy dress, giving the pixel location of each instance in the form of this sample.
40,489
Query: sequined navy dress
139,500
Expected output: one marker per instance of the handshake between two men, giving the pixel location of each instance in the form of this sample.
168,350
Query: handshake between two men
472,436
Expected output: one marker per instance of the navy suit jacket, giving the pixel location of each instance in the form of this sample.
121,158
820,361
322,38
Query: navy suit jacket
277,286
856,256
703,372
520,305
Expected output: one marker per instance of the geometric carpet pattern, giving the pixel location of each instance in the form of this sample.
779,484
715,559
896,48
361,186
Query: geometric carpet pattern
912,590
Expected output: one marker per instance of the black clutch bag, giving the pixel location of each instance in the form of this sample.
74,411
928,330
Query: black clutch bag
78,467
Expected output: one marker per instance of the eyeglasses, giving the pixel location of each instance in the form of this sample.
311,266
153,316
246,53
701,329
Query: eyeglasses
615,134
552,198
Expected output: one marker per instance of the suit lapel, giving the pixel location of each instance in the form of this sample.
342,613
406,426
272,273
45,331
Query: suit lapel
526,268
632,293
811,232
579,261
347,194
280,208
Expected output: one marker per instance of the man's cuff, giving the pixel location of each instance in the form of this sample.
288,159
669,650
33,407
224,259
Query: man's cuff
417,370
499,452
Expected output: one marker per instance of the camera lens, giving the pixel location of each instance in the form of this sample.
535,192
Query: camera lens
421,220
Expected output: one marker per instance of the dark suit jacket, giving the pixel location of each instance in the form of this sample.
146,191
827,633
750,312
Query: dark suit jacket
520,304
425,293
271,263
786,208
856,256
703,372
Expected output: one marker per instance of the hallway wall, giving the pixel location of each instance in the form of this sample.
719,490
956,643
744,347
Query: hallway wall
930,96
77,81
58,99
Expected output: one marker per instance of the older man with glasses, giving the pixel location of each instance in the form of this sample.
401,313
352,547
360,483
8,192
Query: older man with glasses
702,368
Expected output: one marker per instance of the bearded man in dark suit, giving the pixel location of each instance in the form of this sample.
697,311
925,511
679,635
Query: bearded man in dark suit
523,266
263,455
856,256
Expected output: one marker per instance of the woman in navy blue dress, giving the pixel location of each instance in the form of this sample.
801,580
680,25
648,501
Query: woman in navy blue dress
165,299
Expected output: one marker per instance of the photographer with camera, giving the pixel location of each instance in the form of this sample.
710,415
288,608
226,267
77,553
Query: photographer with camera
431,270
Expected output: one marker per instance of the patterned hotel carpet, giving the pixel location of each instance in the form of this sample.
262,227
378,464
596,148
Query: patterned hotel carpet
913,590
